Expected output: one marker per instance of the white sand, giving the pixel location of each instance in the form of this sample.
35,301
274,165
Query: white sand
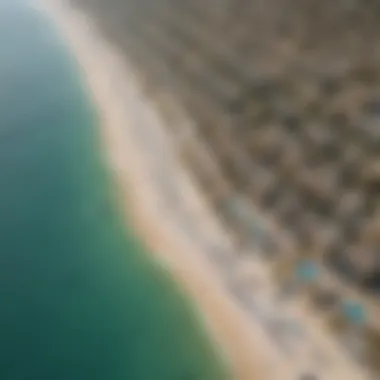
137,148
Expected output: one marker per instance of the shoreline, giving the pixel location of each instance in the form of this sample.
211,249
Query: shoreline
137,147
228,326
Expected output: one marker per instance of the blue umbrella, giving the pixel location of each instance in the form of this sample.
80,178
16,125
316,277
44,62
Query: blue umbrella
307,271
354,312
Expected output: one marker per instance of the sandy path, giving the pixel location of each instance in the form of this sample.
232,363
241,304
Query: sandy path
188,239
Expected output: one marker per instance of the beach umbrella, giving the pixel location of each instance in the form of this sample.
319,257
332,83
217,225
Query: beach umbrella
306,271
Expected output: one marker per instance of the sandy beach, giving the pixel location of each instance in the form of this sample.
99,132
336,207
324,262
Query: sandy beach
168,211
123,114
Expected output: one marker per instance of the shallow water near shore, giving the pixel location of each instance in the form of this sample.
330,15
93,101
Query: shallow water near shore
79,298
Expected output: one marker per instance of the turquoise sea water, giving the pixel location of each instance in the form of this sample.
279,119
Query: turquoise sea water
79,300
